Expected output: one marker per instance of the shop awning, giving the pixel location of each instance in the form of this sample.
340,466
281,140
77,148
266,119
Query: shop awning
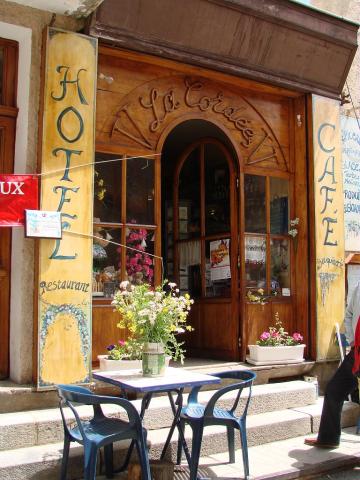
274,41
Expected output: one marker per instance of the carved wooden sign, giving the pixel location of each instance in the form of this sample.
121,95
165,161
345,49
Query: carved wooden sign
65,265
149,109
329,224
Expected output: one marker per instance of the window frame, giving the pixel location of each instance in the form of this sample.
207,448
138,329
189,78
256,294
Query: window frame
268,235
123,225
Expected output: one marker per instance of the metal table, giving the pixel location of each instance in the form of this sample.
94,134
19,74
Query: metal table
174,382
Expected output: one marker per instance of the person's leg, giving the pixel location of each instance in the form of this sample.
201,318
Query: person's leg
339,387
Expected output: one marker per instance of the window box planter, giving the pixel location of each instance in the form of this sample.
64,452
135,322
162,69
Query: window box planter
108,364
259,355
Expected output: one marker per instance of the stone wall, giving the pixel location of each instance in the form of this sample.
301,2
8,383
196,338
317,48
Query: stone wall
33,22
349,9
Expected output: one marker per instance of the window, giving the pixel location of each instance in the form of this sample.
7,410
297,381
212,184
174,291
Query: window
123,215
267,247
8,72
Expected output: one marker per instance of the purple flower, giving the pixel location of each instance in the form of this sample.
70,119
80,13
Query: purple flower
110,347
265,336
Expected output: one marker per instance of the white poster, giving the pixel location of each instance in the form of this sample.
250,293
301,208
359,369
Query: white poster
220,259
350,134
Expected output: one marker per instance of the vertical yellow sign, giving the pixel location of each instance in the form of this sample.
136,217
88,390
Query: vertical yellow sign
65,266
329,224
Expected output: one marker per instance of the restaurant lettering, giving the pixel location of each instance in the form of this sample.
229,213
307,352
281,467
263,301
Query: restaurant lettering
63,285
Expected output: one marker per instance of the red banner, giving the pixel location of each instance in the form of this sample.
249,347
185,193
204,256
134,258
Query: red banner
17,192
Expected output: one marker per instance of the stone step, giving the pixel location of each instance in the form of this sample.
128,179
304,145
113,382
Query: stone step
43,462
39,427
18,398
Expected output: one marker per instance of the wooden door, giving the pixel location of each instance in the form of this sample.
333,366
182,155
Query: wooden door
205,247
7,137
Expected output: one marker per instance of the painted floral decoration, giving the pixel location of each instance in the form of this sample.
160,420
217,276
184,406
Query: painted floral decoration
154,314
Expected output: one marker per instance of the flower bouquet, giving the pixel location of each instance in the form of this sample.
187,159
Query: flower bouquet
155,317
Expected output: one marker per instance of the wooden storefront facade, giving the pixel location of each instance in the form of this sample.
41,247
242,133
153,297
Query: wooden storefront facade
225,154
203,165
213,159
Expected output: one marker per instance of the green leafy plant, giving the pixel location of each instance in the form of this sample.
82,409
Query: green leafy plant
154,315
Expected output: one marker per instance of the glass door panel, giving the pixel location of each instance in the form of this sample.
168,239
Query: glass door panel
255,204
217,188
255,261
107,188
189,197
217,268
280,264
279,206
140,191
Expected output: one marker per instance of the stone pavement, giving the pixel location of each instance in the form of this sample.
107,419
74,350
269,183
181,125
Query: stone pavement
284,460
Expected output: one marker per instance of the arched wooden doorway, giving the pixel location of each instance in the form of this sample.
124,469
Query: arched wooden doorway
201,245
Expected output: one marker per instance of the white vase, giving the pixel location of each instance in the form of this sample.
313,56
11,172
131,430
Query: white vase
108,364
260,355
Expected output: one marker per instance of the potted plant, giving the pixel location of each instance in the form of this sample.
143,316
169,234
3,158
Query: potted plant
124,355
155,317
277,346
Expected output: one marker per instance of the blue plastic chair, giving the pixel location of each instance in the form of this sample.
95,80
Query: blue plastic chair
199,416
100,431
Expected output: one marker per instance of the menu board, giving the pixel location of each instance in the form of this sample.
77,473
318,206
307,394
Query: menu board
350,136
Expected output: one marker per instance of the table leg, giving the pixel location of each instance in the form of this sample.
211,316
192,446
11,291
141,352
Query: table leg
176,424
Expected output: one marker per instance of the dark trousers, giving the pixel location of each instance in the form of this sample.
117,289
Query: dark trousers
340,386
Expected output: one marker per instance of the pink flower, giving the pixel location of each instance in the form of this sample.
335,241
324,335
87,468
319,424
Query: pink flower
265,336
121,343
297,337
